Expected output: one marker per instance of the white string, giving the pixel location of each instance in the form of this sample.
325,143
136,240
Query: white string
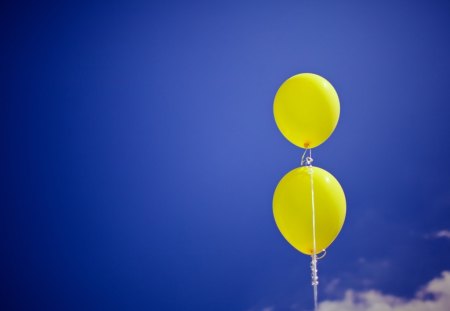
314,277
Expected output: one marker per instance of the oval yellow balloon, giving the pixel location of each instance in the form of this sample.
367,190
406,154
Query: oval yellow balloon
292,208
306,109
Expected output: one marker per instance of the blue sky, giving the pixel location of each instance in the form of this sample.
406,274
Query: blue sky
140,154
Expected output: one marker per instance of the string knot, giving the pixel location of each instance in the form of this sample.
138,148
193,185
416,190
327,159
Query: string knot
307,160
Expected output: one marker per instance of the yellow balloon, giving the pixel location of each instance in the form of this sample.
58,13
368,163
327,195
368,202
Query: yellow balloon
306,109
292,208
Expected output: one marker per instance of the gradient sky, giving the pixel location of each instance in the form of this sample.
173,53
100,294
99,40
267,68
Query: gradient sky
140,155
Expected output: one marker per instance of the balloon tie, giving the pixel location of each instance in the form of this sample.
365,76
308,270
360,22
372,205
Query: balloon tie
307,160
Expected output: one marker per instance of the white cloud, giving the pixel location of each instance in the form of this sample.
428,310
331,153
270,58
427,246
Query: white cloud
435,296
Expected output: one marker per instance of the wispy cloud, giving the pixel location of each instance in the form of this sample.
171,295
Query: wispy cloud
269,308
435,296
330,287
442,234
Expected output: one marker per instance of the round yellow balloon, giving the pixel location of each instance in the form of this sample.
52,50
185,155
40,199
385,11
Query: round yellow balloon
306,109
292,208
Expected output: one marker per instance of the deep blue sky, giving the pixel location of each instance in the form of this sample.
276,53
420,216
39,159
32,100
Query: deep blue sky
139,151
